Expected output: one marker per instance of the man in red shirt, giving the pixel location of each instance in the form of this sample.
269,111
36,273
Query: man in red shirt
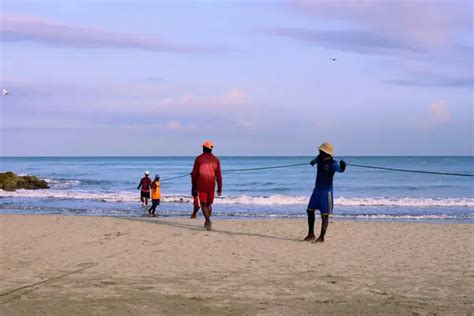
145,185
206,171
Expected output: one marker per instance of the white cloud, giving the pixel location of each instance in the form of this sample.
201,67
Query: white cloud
174,125
420,23
34,29
439,112
428,34
234,97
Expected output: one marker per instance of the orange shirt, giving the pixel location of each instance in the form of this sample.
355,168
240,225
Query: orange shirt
155,190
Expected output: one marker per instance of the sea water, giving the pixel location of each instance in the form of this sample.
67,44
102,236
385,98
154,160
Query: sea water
107,186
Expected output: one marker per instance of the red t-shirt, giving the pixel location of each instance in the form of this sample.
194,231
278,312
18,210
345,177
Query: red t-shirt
206,171
145,184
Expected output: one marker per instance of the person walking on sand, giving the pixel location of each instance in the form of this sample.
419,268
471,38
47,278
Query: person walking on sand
145,184
206,172
155,195
322,197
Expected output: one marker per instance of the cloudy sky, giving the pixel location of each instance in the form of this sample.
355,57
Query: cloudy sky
157,78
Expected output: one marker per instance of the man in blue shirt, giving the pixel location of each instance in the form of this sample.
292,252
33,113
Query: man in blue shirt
322,197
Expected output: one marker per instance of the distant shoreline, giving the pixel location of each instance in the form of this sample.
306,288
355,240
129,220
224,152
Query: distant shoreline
446,221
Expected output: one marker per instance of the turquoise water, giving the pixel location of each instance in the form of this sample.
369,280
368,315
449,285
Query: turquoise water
106,186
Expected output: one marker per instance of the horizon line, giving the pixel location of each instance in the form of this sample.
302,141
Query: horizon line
243,156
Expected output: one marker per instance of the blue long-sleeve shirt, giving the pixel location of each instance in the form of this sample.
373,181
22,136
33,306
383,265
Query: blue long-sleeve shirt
326,170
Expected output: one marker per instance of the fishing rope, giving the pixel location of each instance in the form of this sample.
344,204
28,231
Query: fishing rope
263,168
349,164
177,177
243,170
413,171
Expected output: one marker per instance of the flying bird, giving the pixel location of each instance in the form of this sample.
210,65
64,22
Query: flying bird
5,92
333,59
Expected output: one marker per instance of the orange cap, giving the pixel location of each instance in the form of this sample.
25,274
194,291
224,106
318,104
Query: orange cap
208,144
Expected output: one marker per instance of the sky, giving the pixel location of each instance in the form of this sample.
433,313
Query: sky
153,78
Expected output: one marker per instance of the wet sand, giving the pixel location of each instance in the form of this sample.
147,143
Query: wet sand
65,265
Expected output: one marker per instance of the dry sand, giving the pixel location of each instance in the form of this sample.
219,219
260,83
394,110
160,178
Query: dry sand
67,265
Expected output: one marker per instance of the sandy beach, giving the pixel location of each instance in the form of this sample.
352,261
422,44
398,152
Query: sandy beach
68,265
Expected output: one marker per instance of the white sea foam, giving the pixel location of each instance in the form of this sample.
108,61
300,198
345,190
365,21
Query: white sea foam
303,200
403,217
350,216
413,202
62,183
272,200
72,195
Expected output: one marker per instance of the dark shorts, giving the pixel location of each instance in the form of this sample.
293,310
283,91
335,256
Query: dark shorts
145,195
322,201
206,198
155,202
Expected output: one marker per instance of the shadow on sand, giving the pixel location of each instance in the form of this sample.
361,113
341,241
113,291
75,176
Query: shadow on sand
157,221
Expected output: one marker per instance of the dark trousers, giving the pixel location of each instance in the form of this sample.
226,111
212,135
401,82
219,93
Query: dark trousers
154,204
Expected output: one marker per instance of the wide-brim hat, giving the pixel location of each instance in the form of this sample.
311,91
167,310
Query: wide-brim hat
327,148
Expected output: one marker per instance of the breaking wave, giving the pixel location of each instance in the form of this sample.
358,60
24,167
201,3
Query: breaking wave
62,183
270,200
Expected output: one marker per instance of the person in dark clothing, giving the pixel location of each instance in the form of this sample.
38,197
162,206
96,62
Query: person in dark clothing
322,197
145,185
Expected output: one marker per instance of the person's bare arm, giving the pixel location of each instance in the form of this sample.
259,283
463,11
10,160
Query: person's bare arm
194,178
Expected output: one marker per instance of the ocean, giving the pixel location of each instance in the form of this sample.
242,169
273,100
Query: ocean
107,186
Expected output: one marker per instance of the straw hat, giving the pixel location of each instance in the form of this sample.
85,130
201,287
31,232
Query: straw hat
327,148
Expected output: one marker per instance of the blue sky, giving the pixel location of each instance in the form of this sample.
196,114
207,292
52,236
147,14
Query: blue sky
158,78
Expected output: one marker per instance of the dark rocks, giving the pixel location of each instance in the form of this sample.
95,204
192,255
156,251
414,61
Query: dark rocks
11,182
